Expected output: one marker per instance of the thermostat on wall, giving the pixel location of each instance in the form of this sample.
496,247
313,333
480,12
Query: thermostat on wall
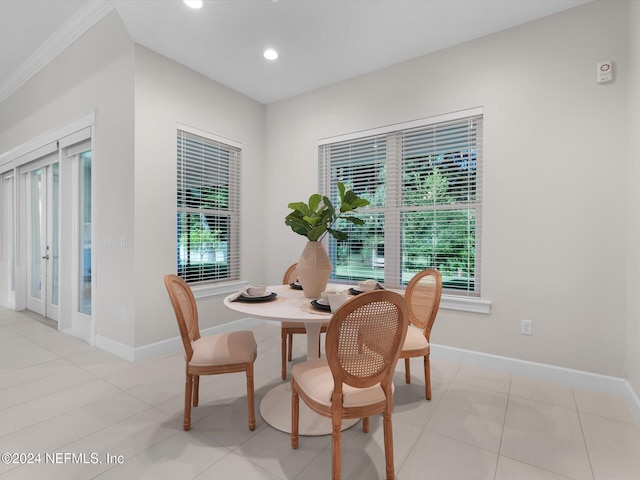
605,72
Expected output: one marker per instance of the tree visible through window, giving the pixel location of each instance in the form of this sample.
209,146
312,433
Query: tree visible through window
423,183
208,209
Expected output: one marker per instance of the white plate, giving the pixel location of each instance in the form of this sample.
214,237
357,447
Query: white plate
262,295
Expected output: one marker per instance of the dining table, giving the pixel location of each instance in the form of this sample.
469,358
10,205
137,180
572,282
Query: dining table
289,304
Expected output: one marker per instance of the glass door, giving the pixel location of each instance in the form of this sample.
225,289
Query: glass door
43,234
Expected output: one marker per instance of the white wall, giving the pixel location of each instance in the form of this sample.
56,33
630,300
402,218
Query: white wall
633,214
555,223
95,74
167,94
555,149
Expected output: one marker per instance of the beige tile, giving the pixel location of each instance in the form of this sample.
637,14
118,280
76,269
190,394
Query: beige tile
68,350
236,467
545,436
73,426
121,440
442,371
472,415
229,425
35,331
43,408
18,351
613,446
216,391
10,316
99,363
28,374
543,391
182,456
271,450
140,374
598,403
437,457
411,407
269,362
363,455
161,389
35,389
509,469
482,377
13,341
23,361
58,340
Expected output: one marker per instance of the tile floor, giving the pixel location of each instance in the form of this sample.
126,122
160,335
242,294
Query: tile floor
58,397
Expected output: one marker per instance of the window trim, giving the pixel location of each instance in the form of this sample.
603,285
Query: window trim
209,287
472,299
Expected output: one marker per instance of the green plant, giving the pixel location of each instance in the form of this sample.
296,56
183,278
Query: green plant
318,216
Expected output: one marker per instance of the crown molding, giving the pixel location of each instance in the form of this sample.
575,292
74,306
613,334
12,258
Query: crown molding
85,18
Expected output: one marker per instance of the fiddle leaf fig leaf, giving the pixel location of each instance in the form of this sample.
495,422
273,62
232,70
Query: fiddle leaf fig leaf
314,201
316,232
316,218
354,220
300,207
338,234
359,202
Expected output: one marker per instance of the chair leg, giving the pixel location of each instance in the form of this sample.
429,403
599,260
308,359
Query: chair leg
295,414
427,377
196,390
290,346
188,391
407,370
388,445
365,424
283,336
336,445
251,397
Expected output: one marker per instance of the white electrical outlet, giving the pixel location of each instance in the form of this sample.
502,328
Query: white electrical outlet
526,327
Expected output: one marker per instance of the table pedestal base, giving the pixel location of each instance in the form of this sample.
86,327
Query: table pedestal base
275,409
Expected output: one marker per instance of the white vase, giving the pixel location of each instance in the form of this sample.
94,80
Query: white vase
314,269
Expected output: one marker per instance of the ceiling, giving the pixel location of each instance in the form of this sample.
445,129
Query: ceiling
320,42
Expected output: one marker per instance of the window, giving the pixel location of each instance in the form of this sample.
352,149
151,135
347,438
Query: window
423,180
85,243
208,209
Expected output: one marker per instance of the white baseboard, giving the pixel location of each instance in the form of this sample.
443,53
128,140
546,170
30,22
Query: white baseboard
566,376
116,348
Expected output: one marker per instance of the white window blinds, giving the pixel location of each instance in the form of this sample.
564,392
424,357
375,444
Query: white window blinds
423,180
208,201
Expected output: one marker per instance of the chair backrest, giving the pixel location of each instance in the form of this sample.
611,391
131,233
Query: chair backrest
423,298
365,337
186,310
290,275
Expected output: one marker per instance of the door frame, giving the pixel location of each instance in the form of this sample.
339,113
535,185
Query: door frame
58,140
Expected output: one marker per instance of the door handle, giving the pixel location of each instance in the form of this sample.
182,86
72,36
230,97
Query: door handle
46,257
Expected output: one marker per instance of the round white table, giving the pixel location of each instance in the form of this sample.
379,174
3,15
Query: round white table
291,305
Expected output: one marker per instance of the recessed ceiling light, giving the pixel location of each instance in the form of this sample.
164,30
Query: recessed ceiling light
270,54
193,3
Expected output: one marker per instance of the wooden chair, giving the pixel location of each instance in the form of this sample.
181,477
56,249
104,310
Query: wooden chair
211,355
423,299
288,329
363,345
